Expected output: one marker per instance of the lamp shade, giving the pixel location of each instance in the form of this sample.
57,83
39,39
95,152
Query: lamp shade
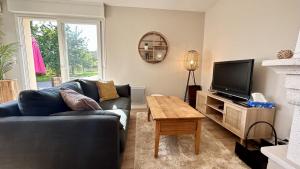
191,60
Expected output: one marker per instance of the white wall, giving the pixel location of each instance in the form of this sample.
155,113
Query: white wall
8,26
124,28
236,29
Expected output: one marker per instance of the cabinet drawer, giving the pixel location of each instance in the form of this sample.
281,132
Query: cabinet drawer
234,119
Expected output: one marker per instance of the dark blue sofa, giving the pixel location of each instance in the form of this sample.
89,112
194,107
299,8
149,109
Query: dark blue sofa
40,132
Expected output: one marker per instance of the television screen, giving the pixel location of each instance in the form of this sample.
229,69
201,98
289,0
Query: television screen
233,78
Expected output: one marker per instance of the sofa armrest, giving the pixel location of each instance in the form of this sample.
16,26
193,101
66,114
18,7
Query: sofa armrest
86,112
60,142
89,112
10,108
124,90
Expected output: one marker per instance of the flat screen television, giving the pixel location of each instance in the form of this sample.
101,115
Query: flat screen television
233,78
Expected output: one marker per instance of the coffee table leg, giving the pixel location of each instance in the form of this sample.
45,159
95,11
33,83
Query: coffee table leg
197,137
157,135
149,112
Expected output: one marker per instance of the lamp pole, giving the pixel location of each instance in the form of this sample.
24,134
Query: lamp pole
188,82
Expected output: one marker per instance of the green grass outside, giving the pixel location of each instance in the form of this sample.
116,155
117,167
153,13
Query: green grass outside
85,74
45,78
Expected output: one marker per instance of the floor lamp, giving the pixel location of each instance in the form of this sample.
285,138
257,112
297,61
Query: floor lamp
191,63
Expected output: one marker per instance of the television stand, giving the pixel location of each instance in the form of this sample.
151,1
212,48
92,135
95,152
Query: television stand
234,117
233,98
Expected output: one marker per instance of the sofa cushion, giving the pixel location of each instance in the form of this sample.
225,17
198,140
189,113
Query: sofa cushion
89,88
71,85
46,101
123,90
77,101
120,103
107,90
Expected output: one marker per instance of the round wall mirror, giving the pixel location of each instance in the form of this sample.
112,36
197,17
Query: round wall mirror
153,47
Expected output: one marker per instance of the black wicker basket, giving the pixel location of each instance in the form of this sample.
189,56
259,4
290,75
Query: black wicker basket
253,158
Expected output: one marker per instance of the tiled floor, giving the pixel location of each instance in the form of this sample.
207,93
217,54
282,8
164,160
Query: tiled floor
227,138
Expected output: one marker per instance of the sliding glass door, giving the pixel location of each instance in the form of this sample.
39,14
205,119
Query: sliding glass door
82,51
57,51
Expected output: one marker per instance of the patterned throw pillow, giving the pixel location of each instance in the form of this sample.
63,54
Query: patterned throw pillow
107,90
77,101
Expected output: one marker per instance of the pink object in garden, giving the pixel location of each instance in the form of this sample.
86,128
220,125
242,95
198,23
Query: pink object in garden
39,65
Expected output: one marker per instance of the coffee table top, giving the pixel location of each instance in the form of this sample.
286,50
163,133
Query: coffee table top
171,107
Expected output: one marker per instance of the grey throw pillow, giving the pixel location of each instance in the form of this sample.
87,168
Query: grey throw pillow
77,101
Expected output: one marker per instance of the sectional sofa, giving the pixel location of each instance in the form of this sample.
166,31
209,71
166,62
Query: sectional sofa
39,131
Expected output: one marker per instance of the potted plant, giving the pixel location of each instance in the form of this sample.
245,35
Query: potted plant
8,88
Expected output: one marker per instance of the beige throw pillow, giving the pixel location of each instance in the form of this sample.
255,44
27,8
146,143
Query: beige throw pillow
77,101
107,90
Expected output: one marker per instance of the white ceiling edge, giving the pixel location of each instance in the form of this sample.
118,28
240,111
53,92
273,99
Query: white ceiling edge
182,5
85,2
68,9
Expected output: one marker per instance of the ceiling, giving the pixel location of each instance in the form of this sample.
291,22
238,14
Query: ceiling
185,5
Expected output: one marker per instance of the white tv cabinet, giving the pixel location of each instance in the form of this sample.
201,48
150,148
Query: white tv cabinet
234,117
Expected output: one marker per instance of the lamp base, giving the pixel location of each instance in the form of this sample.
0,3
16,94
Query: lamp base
192,89
192,93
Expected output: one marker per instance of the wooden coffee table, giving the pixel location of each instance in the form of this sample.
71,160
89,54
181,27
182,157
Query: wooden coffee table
173,116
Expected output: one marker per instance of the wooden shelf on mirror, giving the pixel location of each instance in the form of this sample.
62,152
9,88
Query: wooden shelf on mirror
153,41
151,49
157,47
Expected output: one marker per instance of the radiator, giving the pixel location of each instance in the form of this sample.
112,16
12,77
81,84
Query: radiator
138,95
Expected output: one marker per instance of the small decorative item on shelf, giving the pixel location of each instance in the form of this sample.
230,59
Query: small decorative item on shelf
153,47
285,54
146,47
158,55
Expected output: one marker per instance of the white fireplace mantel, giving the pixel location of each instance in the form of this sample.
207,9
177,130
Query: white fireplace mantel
278,157
291,69
284,66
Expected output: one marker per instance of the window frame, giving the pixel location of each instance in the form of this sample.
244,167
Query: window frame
61,21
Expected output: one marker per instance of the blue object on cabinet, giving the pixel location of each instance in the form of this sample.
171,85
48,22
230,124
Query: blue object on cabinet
260,104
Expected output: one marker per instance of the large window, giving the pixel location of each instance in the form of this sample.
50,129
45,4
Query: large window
81,49
59,50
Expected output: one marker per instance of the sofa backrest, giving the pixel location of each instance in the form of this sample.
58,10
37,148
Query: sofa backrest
89,88
46,101
38,102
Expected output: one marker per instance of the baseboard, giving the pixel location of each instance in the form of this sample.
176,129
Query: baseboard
138,106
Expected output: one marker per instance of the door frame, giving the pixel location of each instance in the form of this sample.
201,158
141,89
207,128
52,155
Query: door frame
26,80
